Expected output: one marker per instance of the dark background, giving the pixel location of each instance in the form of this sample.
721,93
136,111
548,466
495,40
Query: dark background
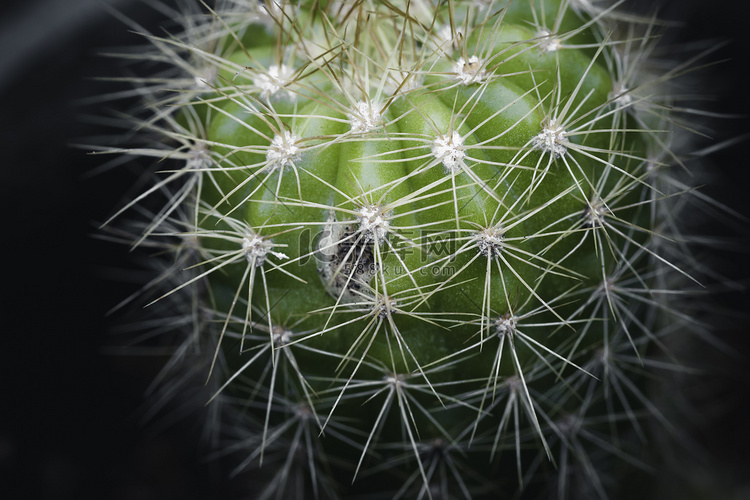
70,415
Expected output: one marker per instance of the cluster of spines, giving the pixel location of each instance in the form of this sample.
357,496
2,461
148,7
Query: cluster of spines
507,413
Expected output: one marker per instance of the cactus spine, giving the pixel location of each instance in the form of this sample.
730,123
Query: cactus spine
422,250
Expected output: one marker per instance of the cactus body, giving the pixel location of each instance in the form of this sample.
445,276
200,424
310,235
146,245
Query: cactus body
423,246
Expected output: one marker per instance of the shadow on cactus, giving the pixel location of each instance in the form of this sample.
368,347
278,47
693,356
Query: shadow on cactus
416,250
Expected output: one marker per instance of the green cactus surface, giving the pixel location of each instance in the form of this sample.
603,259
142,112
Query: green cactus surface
416,249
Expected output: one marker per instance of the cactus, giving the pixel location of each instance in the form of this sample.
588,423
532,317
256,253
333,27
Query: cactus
416,249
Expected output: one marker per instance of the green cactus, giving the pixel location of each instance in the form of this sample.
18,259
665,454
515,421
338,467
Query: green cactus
417,249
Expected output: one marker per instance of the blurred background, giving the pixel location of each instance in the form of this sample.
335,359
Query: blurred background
71,417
